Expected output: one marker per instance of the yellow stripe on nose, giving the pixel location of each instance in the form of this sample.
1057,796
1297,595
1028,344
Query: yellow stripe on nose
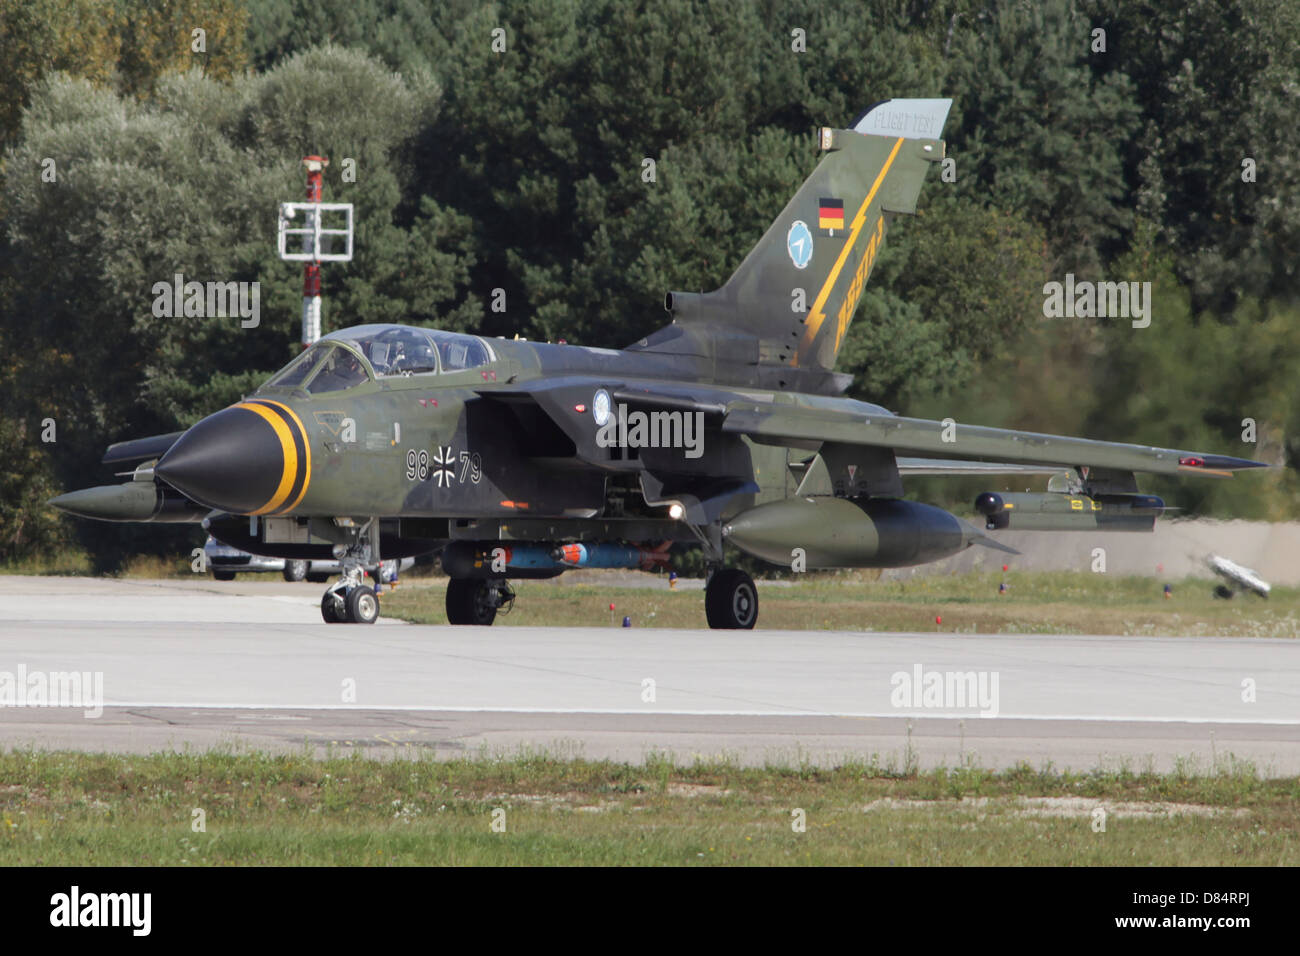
306,452
290,457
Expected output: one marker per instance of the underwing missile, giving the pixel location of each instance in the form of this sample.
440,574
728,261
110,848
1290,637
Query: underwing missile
489,559
579,555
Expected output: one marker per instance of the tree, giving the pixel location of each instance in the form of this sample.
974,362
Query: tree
178,36
187,183
1037,132
80,37
1217,85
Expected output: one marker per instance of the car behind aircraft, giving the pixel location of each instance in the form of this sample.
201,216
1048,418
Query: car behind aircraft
225,562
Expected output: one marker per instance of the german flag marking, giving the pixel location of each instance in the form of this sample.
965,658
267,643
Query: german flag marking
830,214
300,473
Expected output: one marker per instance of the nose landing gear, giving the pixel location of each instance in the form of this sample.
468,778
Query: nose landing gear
348,601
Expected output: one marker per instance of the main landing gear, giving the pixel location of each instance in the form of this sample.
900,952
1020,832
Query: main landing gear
474,596
477,600
730,600
348,601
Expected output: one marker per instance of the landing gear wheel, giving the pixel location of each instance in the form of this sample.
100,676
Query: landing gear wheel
1223,592
471,601
331,608
731,600
224,575
295,570
362,605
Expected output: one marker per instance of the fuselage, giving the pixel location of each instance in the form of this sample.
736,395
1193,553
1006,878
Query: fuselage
359,432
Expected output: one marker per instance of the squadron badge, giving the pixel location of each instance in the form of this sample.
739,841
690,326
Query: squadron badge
799,243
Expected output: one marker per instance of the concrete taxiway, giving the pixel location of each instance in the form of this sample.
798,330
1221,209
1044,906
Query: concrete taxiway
241,665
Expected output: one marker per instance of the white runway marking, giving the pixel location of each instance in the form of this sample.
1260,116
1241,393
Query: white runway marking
890,715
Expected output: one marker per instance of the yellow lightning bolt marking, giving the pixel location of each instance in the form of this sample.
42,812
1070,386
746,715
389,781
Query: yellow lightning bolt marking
818,316
854,293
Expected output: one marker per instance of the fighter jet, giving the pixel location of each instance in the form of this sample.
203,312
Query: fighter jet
727,426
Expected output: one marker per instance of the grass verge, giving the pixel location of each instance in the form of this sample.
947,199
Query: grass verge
59,808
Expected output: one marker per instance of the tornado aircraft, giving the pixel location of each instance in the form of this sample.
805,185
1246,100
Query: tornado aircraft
727,426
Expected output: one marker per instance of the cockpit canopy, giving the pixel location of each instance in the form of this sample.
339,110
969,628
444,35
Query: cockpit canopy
352,356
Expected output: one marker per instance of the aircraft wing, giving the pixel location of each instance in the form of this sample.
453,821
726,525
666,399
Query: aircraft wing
972,450
787,424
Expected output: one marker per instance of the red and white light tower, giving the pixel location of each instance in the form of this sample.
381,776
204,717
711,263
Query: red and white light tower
317,241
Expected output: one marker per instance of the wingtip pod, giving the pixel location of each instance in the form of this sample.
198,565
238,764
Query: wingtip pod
1228,463
1217,466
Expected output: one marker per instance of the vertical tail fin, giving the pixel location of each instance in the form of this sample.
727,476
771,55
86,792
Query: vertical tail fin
795,293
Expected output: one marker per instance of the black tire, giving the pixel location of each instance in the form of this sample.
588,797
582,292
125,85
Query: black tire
731,600
362,605
318,577
224,575
468,602
1223,592
331,609
295,570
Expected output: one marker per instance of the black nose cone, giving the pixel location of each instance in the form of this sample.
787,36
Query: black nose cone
250,458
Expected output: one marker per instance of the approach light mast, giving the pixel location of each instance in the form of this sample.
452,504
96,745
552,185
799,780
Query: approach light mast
316,241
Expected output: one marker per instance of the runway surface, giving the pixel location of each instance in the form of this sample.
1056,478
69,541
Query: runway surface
249,665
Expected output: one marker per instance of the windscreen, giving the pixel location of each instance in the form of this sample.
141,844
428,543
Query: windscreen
296,372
